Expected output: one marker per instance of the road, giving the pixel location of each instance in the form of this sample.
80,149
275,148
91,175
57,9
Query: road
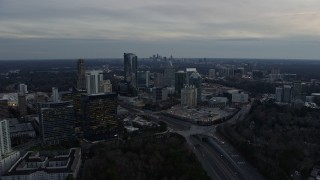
219,159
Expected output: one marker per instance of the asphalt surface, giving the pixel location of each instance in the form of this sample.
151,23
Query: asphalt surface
218,158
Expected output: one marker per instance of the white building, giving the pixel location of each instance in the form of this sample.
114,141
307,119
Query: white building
5,141
93,79
189,96
240,98
105,86
55,94
23,88
7,156
38,166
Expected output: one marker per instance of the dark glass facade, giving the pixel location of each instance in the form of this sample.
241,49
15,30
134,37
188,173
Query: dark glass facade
56,122
99,116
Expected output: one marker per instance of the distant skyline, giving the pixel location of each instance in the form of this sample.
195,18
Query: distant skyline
56,29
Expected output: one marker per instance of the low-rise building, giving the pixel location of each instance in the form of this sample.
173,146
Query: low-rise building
38,165
21,129
240,98
218,102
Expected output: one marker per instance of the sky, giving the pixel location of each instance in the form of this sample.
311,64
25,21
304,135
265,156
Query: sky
58,29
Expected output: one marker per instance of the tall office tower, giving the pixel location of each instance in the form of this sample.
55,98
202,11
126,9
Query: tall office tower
158,80
5,141
180,81
55,94
169,76
287,93
279,94
297,91
99,112
212,73
195,80
23,88
56,122
93,79
81,81
130,68
4,108
7,156
143,78
105,86
77,95
189,96
159,94
22,104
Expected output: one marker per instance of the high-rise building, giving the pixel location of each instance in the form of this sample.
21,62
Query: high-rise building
23,88
55,94
99,111
56,122
212,73
297,91
143,78
189,96
158,80
105,86
169,76
7,156
4,108
287,93
159,94
22,104
81,81
130,68
195,80
279,94
5,141
180,81
93,79
76,101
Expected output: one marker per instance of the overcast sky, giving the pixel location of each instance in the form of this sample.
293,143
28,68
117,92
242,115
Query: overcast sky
37,29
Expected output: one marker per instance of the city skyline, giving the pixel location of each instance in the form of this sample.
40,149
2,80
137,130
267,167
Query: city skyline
35,29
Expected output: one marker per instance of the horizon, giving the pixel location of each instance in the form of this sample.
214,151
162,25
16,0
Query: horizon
35,29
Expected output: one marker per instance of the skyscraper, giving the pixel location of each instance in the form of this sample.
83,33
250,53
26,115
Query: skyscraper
55,94
81,81
4,108
287,93
99,112
189,96
279,94
169,76
5,142
56,122
130,68
93,79
23,88
143,78
195,80
22,104
158,80
180,81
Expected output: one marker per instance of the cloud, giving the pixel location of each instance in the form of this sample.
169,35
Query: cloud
154,21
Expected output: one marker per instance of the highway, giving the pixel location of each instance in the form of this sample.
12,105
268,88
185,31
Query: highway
219,159
216,165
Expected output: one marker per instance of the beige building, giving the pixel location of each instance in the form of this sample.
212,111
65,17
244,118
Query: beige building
189,96
105,86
